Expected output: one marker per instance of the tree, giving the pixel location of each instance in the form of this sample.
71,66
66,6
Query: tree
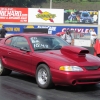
20,3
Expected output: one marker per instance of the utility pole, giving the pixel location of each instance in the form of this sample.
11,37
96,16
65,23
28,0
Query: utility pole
50,4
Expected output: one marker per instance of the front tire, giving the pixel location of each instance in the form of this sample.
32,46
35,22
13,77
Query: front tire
43,76
4,71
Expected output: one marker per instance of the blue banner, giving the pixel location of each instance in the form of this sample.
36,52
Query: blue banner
15,29
55,29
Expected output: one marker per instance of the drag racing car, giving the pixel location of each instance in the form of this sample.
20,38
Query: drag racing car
48,58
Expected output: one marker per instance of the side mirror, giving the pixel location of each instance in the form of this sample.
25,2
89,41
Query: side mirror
25,49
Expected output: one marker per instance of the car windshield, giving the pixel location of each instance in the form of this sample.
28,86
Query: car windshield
47,43
85,14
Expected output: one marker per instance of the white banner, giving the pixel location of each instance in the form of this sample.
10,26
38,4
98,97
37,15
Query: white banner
99,18
39,15
82,42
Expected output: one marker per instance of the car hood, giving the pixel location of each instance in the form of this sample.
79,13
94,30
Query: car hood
71,55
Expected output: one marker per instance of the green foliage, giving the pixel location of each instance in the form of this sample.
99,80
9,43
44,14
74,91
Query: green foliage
60,0
20,3
86,0
29,3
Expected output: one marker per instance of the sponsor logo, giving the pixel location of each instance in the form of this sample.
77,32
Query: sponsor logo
10,13
46,15
29,26
1,26
13,14
79,30
50,28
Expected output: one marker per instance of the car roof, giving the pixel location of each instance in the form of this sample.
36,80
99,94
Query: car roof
85,12
29,34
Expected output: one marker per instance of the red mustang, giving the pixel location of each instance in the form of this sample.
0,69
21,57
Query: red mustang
49,59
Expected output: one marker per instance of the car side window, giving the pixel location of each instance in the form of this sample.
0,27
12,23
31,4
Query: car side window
20,42
14,39
8,41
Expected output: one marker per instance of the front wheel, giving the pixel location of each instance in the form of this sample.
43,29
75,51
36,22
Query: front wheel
3,70
43,76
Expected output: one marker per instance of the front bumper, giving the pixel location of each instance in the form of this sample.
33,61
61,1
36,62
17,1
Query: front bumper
86,21
75,78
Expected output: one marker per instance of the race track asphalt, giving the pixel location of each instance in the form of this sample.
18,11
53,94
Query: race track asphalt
22,87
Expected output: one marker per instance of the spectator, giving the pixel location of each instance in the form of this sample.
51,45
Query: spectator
93,36
3,32
68,37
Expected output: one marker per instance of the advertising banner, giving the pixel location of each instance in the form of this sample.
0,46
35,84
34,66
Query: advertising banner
13,14
57,29
45,15
13,29
80,17
99,18
16,29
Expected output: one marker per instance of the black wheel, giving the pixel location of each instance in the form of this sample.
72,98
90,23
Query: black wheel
43,76
98,55
4,71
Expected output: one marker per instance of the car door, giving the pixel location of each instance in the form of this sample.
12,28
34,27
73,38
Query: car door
16,58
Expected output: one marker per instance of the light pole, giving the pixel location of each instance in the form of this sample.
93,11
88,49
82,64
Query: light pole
50,4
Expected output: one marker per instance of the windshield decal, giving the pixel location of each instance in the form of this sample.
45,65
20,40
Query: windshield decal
38,43
41,45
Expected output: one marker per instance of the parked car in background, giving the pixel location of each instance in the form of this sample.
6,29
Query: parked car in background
48,58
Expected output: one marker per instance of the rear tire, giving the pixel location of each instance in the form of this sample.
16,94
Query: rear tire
43,76
4,71
98,55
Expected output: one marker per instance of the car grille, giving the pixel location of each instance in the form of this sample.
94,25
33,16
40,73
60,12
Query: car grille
92,67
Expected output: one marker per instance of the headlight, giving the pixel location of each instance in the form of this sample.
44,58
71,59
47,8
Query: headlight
70,68
81,19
